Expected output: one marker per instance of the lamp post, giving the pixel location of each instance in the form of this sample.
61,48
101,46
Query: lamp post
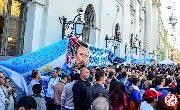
153,54
144,53
116,40
76,25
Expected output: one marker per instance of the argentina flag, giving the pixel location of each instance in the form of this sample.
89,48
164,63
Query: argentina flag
45,59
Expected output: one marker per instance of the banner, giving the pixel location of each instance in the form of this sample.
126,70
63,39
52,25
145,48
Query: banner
19,68
65,54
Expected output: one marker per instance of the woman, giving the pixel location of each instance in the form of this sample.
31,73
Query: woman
118,98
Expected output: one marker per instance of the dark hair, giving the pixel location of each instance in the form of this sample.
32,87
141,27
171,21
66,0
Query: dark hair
124,74
135,81
6,79
167,81
118,91
112,85
150,76
111,74
65,76
76,76
81,43
37,89
149,100
27,102
34,73
99,75
58,69
158,80
170,72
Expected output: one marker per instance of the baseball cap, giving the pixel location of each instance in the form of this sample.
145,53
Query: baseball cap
152,93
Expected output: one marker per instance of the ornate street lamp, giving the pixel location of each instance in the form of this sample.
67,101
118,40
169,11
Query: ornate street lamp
153,54
116,40
76,25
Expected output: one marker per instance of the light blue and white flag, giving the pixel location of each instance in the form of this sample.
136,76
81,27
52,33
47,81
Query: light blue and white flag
43,60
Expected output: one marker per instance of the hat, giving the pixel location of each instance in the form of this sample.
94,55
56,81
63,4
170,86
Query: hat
152,93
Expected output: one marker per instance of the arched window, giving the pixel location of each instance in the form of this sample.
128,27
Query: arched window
13,13
89,18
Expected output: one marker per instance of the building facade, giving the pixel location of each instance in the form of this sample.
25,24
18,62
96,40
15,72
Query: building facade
135,21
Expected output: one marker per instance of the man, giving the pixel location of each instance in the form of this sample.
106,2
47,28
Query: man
160,82
26,103
12,96
150,99
82,54
92,91
50,90
3,95
67,94
135,95
41,103
58,88
36,76
100,103
80,89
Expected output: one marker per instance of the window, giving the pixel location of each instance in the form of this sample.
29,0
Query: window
89,18
13,15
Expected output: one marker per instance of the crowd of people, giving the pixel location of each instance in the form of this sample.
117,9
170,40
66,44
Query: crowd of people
112,87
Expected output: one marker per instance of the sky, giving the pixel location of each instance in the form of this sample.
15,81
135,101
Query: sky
165,17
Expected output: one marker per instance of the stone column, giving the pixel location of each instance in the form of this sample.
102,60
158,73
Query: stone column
33,26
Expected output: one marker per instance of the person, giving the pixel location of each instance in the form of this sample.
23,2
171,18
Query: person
50,90
92,91
160,82
118,97
26,103
150,99
3,95
81,55
12,98
58,88
100,103
41,103
36,76
135,94
67,94
80,89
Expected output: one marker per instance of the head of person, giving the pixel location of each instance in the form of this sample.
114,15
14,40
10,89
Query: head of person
160,80
82,54
36,74
103,69
151,96
26,103
124,75
7,82
111,74
147,85
150,76
100,77
100,103
56,72
65,78
2,78
136,81
75,77
75,68
118,91
37,89
84,73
